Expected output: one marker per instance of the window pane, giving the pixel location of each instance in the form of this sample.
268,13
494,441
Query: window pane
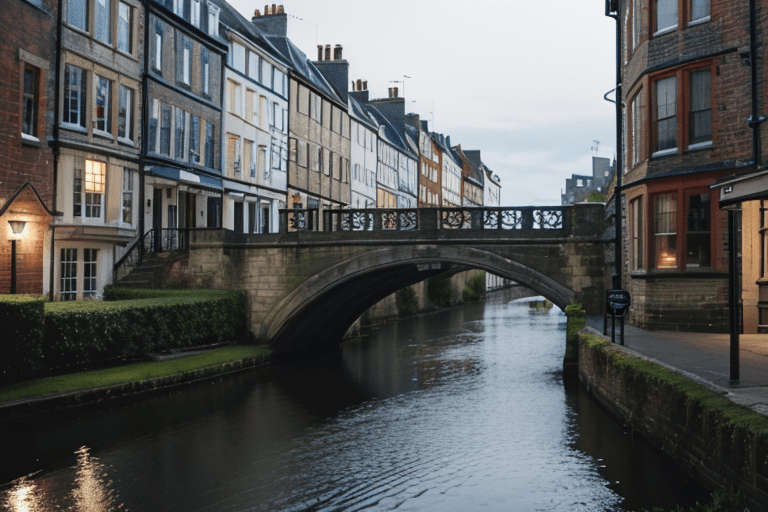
127,196
29,106
238,57
209,145
194,138
666,14
124,36
68,277
77,14
697,239
636,233
699,9
665,230
253,66
125,114
165,130
89,273
154,119
102,118
666,112
103,21
701,107
74,96
181,118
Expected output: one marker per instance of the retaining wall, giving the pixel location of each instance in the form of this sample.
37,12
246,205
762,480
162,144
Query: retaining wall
723,444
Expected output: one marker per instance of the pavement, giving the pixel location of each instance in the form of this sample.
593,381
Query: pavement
705,358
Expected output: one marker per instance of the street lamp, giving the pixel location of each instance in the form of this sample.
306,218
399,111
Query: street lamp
17,226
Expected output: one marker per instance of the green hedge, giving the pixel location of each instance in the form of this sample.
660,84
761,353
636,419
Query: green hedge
22,321
78,333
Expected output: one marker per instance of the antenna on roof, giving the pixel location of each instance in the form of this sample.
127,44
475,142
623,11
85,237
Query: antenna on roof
595,147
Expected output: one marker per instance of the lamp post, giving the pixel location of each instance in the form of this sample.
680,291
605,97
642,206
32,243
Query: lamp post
612,11
17,226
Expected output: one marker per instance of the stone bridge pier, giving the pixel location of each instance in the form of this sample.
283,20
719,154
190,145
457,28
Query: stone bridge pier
306,288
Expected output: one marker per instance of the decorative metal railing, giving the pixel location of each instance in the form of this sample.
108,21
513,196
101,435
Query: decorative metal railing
410,219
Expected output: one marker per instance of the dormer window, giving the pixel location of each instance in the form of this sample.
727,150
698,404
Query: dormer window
213,20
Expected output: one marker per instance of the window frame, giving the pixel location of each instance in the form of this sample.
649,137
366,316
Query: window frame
668,28
86,14
125,122
105,120
126,205
99,32
127,26
30,102
80,92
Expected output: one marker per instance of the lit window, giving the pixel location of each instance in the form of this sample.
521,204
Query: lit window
74,96
666,114
125,114
77,14
103,22
29,103
102,120
95,176
124,27
665,231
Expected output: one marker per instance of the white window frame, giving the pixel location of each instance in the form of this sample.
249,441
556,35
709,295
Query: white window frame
106,118
127,136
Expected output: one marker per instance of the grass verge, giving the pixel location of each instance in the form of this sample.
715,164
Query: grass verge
135,372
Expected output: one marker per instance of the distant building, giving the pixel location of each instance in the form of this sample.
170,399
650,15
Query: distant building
579,188
472,178
363,149
430,163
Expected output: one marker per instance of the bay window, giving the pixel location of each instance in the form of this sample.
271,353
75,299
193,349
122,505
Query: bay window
700,123
666,15
666,114
665,231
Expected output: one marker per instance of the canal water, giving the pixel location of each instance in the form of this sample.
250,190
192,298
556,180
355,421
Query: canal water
464,409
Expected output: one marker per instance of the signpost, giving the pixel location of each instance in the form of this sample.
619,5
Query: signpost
617,302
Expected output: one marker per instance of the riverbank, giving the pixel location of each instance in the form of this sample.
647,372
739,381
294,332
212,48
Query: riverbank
718,440
120,382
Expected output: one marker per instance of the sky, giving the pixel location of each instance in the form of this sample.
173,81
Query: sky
521,81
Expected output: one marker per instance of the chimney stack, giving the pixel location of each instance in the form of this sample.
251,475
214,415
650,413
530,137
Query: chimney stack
256,13
393,92
337,52
280,9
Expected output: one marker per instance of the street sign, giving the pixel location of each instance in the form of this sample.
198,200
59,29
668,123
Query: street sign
618,301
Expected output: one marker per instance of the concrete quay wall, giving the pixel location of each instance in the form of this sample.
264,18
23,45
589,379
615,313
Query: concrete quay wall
723,444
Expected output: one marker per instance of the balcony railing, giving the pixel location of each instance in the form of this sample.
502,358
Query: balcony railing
154,241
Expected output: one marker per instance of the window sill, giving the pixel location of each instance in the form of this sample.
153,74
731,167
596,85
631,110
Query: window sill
103,135
126,142
699,21
30,140
74,127
665,31
664,152
700,145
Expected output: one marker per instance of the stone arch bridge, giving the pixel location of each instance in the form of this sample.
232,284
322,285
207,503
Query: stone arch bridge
307,287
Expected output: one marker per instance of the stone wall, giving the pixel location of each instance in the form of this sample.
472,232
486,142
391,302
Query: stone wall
723,444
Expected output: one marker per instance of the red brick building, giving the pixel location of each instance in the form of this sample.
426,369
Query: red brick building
686,89
27,85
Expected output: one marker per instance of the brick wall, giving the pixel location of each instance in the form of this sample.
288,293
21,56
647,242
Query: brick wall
34,39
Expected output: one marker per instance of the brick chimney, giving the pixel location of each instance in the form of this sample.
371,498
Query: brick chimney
335,71
273,22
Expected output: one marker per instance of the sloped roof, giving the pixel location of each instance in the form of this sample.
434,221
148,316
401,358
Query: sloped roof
359,112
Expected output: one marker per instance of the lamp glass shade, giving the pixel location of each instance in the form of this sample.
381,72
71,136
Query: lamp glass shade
17,226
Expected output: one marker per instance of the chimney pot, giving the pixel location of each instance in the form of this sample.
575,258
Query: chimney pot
274,9
327,52
256,13
365,85
266,10
337,52
280,9
319,52
359,85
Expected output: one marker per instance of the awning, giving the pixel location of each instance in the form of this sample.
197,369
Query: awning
185,176
747,187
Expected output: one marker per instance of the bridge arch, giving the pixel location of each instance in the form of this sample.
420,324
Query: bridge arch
320,310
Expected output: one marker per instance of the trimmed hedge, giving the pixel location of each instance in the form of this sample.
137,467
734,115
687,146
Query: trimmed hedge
78,333
22,319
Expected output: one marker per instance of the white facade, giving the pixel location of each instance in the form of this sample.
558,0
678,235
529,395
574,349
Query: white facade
254,138
363,162
451,181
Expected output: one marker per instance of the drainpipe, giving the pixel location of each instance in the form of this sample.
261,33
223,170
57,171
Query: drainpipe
755,120
55,144
144,128
612,11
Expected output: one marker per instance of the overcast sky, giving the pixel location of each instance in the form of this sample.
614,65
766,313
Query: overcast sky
521,81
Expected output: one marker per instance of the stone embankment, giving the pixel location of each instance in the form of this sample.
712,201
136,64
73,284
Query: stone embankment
721,443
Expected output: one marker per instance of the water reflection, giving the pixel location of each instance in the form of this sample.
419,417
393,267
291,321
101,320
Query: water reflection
92,492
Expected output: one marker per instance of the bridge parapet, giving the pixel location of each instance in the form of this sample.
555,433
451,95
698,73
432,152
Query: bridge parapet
517,222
